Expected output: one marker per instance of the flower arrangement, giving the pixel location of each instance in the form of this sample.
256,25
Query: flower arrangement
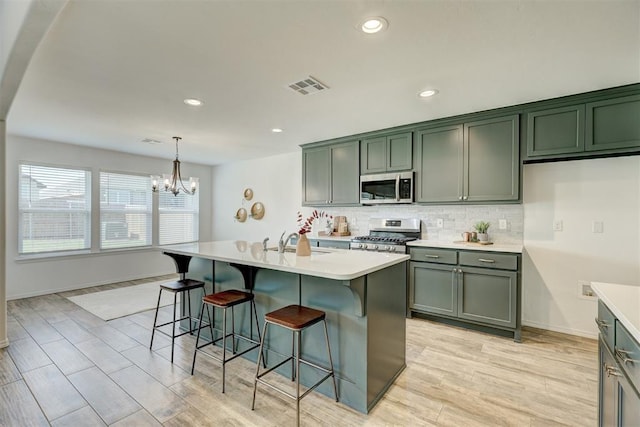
305,225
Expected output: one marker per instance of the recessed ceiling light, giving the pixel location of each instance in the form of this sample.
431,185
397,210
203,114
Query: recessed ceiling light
427,93
374,24
276,130
193,102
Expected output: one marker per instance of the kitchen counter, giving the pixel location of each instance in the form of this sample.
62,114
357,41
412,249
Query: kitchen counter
468,246
336,264
624,303
363,294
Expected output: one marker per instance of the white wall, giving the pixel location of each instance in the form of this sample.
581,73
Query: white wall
578,193
276,182
42,276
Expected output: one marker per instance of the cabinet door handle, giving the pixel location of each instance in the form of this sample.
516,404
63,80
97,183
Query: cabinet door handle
464,198
602,325
623,355
611,370
459,197
432,256
491,261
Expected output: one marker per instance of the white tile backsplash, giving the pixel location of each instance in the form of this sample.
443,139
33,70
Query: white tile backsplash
457,219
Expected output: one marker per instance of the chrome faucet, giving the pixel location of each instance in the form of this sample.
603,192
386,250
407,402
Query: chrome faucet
283,243
264,244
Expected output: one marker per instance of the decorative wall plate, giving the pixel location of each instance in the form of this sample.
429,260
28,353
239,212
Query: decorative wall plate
257,210
241,215
248,194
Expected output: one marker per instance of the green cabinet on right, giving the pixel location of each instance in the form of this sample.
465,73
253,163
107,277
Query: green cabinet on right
619,373
602,127
474,162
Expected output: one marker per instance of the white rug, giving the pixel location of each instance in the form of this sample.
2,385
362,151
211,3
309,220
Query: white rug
121,302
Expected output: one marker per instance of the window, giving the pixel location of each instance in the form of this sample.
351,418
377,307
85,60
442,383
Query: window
54,209
125,210
178,217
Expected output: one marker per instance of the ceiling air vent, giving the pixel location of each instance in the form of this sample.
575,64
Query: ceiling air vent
308,86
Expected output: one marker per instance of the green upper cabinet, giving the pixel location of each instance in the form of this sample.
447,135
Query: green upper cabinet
330,174
492,160
471,162
439,163
386,153
555,131
613,124
605,126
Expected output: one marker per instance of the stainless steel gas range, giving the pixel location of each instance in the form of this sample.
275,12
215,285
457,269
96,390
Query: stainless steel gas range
388,235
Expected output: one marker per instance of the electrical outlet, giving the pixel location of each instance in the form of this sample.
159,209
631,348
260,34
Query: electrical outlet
502,224
440,223
557,225
597,227
585,291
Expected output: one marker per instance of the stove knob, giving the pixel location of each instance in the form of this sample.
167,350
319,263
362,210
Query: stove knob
392,248
375,247
362,246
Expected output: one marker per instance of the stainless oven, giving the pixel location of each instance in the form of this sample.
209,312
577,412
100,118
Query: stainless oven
386,188
388,235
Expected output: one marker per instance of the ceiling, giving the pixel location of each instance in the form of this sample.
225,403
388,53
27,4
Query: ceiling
110,73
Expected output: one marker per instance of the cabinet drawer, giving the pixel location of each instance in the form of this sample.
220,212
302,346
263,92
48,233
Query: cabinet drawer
489,259
606,324
627,353
333,244
440,256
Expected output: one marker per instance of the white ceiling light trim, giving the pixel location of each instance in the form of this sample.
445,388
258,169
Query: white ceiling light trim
276,130
194,102
427,93
374,24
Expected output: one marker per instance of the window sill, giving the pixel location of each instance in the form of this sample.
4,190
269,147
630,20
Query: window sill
81,254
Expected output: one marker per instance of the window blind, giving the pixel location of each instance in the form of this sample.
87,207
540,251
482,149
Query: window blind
54,207
178,217
125,210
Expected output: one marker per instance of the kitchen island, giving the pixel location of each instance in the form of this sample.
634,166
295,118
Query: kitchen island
362,293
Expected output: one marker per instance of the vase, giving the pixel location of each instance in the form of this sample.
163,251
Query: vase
483,237
303,247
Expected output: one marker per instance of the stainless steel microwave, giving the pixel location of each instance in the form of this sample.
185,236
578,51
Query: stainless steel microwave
386,188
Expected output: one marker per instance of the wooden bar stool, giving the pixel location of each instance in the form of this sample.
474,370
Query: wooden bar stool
295,318
181,286
224,300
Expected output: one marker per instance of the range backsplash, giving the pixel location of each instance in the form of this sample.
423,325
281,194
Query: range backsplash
456,219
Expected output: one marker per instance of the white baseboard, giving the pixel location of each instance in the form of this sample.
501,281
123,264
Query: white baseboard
569,331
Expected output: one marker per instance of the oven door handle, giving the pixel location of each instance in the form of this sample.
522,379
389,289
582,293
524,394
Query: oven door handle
398,188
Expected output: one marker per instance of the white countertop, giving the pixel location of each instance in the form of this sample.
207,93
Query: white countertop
624,303
337,264
467,246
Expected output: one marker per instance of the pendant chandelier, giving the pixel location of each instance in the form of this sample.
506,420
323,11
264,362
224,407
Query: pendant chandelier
173,183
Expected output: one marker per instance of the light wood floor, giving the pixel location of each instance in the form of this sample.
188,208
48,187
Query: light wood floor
66,367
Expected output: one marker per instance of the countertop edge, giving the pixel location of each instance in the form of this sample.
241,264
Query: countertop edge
615,309
496,247
397,259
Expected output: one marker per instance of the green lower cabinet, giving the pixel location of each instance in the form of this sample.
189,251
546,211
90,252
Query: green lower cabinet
449,286
618,401
488,296
433,288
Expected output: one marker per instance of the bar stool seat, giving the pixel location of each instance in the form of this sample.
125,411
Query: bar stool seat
176,287
224,300
295,318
